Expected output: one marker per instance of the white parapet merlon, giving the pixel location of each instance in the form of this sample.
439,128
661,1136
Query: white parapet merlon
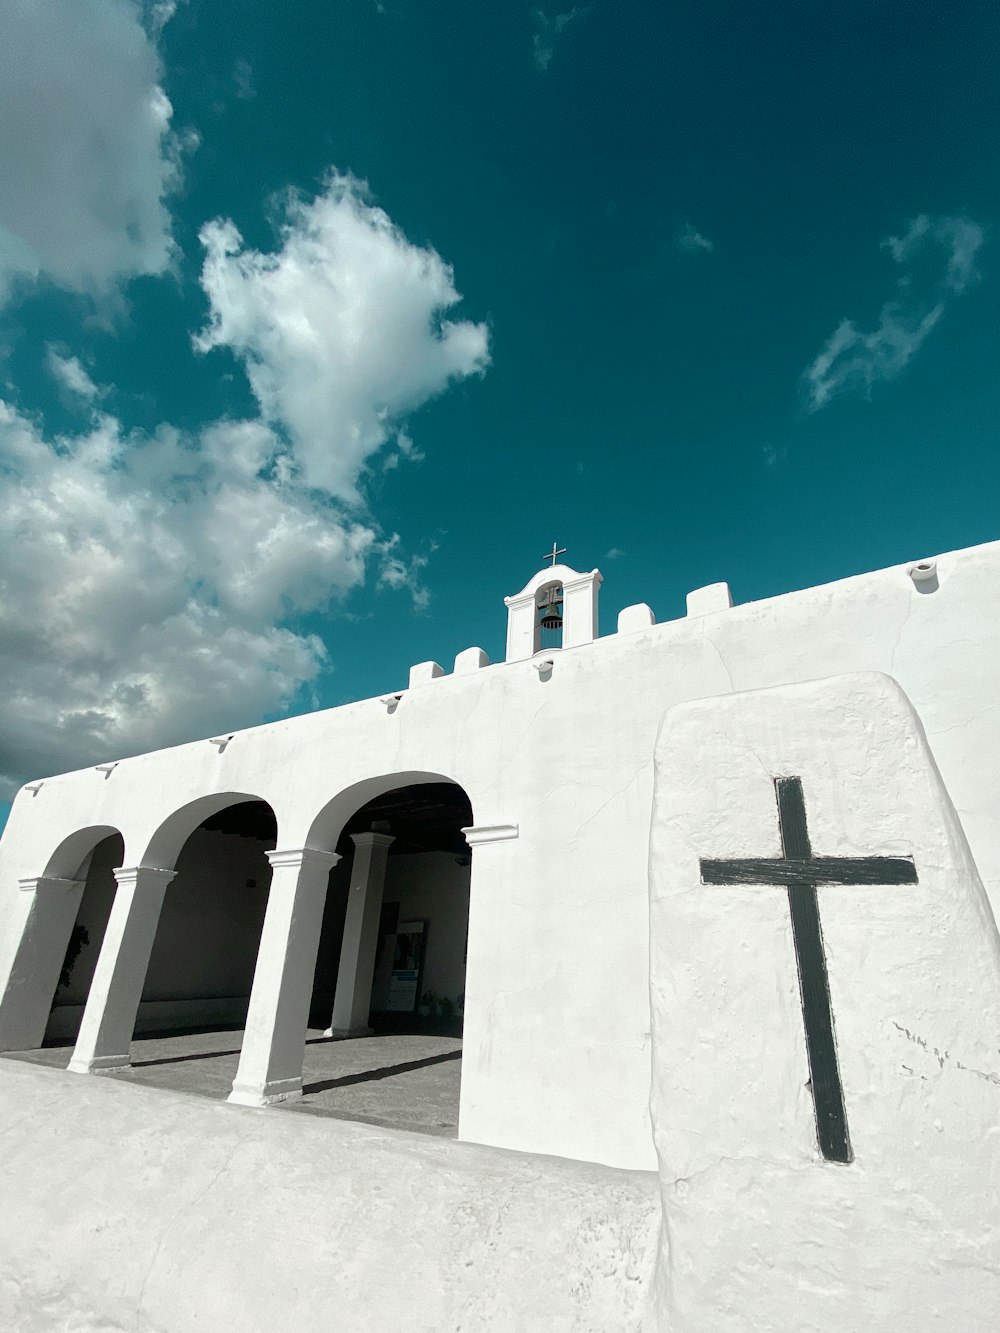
424,672
470,659
633,618
353,998
713,597
825,989
109,1017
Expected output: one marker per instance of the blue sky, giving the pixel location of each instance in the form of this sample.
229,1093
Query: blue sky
320,321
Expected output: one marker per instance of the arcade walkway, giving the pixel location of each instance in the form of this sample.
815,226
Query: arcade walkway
403,1082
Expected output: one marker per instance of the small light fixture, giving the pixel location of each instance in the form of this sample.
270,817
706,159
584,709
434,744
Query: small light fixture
106,769
221,741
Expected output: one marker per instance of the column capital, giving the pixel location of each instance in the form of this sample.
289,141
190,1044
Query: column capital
49,884
307,857
127,876
481,833
372,839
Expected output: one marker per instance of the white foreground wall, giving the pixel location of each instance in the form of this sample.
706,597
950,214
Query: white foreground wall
847,1178
160,1211
557,1055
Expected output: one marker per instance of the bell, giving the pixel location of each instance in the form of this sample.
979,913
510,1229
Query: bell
553,617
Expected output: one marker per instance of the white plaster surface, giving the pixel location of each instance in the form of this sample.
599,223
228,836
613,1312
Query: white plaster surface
556,1055
761,1234
162,1213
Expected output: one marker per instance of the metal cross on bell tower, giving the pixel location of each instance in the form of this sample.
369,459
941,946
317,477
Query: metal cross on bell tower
554,554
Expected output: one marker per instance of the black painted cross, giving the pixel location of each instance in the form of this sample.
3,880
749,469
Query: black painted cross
801,873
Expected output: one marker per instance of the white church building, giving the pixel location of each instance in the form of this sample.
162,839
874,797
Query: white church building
552,854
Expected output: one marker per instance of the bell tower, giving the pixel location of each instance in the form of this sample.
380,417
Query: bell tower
557,608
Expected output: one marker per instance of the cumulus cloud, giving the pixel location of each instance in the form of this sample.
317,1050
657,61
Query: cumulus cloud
342,331
145,583
70,375
151,583
87,156
691,241
548,29
853,360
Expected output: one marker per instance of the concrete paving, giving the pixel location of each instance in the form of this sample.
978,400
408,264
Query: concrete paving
400,1081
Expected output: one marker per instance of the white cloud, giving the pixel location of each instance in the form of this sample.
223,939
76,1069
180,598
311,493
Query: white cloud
548,30
342,331
145,582
86,151
853,360
243,79
399,573
150,583
692,241
159,13
960,238
70,375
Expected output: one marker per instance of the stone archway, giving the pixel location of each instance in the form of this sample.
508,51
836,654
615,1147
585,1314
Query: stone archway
403,850
202,961
183,931
50,904
86,937
401,833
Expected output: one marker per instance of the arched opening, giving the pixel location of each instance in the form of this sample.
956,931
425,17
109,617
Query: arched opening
64,913
549,617
202,961
83,945
396,1057
418,977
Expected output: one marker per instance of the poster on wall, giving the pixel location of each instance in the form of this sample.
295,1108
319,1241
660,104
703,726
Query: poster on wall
407,965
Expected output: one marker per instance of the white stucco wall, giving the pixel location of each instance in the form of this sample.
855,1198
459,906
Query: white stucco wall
557,1014
135,1209
889,1218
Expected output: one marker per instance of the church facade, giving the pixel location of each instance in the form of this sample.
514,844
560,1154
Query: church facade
472,850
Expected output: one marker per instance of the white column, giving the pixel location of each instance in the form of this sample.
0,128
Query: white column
41,921
273,1044
109,1018
353,998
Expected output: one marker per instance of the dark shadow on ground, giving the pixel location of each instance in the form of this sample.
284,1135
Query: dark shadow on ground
387,1071
196,1055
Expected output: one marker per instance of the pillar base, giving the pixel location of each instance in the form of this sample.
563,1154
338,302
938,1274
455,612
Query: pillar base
346,1034
99,1064
281,1090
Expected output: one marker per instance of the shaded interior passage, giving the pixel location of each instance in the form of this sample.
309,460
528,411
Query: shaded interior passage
418,978
202,962
189,1026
